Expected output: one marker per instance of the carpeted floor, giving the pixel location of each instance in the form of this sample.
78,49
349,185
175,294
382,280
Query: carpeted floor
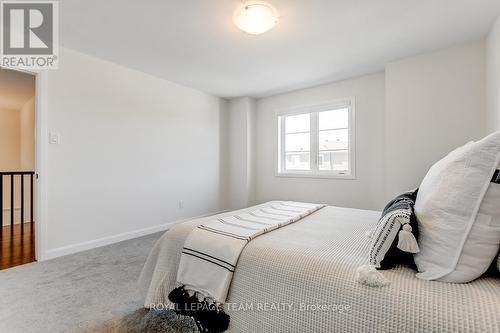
92,292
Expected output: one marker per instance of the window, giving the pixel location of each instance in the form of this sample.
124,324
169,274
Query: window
317,141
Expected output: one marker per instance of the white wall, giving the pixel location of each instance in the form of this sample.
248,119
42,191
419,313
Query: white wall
132,146
434,103
9,155
493,78
17,151
241,115
10,143
27,135
27,144
407,118
365,190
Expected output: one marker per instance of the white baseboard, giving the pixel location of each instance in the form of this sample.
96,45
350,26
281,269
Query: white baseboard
17,216
92,244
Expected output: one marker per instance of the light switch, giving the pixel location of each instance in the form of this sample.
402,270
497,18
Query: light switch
54,138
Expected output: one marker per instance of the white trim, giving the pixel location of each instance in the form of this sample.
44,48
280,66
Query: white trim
352,139
314,175
17,216
313,143
17,208
95,243
41,116
321,106
279,146
349,102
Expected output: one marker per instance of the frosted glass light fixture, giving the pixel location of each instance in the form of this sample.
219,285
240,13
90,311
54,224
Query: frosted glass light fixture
255,17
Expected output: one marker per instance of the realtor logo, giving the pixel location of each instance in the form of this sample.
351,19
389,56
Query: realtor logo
29,34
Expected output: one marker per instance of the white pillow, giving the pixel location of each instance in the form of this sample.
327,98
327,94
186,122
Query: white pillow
458,211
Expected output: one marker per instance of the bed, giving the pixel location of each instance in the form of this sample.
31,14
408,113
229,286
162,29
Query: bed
300,278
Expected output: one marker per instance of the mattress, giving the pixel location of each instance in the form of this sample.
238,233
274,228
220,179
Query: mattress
300,278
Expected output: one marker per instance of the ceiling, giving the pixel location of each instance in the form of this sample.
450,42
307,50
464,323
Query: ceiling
16,88
194,42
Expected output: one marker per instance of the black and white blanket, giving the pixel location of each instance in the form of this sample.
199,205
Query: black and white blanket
210,255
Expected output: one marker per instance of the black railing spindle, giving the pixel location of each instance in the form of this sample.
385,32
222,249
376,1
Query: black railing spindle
12,204
1,205
32,219
22,203
22,218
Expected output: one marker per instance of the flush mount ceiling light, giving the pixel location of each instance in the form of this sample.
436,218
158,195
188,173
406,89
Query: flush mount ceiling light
255,17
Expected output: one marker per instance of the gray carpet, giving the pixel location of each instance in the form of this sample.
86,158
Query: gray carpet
92,292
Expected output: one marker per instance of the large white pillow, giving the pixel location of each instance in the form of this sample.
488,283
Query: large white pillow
458,211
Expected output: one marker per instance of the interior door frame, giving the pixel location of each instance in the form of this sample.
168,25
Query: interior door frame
41,142
41,145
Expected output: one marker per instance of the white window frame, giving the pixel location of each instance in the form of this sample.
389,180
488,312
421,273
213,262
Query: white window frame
348,103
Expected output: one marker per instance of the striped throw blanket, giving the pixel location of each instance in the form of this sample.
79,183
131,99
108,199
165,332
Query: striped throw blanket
211,253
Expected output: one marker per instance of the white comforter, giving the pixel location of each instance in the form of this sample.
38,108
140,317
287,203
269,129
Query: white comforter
300,279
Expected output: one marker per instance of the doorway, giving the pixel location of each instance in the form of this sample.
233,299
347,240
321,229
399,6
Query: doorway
17,168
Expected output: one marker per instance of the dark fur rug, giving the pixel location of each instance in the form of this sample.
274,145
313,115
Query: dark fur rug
149,321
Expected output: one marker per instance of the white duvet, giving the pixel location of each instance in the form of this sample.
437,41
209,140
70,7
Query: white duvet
300,279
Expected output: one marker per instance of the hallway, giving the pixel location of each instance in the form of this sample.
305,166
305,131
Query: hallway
17,168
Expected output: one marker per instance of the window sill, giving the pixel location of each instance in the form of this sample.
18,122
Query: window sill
314,175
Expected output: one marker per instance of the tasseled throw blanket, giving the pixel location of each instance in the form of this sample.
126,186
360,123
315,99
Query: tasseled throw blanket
210,255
